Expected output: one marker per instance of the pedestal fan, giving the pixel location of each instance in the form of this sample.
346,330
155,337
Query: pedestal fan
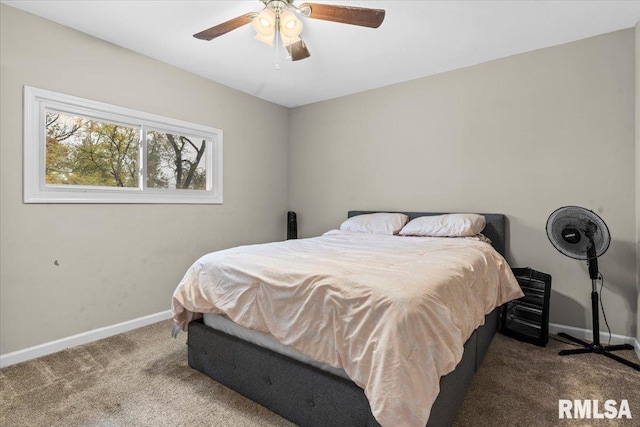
581,234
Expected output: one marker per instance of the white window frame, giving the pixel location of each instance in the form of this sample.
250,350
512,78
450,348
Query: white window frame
37,101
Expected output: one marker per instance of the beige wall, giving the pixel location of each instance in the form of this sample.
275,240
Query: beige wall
120,262
637,56
522,135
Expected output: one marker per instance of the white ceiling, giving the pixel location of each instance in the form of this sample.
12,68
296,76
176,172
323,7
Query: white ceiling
417,39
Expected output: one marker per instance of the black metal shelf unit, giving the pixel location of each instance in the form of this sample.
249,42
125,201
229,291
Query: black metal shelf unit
527,318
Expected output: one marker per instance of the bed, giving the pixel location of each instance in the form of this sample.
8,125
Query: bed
312,394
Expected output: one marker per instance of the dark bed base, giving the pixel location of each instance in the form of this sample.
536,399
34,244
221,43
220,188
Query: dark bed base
312,397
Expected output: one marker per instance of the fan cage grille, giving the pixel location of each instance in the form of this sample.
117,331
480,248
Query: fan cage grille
577,217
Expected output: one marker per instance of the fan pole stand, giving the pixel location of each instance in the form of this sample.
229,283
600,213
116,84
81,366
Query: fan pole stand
596,347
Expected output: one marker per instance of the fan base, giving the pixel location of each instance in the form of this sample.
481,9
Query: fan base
605,350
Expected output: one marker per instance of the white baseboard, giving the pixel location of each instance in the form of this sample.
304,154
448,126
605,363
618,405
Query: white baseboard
587,335
107,331
83,338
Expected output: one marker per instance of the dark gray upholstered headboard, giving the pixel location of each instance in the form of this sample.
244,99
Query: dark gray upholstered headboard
495,228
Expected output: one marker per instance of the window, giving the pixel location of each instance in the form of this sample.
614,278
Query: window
82,151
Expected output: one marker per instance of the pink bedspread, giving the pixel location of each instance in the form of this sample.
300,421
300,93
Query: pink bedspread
393,312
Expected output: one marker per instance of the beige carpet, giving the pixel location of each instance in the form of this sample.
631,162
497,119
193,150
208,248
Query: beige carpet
141,379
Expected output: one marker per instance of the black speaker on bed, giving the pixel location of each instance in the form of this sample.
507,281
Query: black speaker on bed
292,225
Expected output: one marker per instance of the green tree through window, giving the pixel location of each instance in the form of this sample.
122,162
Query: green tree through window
175,161
82,151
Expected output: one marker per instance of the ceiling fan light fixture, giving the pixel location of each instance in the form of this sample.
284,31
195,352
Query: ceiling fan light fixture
288,41
290,25
268,40
265,22
265,26
290,28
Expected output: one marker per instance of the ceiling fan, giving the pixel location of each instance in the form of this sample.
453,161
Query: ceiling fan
279,17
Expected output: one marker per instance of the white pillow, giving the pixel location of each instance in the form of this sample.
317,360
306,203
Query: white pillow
449,225
376,223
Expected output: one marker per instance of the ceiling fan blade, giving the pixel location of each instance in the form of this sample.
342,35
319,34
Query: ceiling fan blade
225,27
298,51
344,14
